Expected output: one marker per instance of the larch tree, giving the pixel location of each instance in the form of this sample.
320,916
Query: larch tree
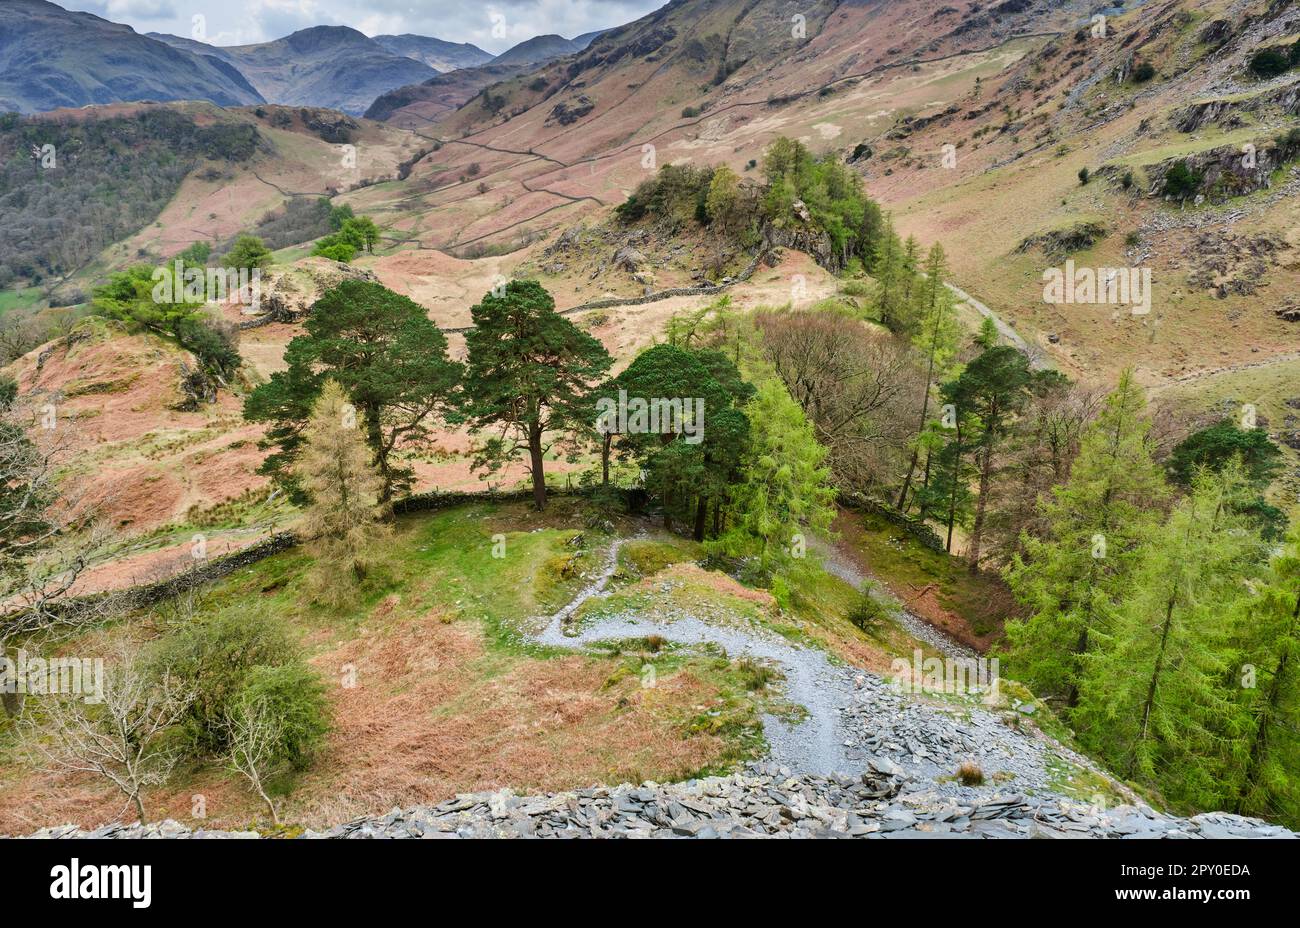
1073,577
344,518
936,339
785,489
1270,688
1158,694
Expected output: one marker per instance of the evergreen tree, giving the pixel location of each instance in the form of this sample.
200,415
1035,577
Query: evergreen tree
936,339
891,274
248,253
991,390
785,485
529,373
387,356
344,517
1072,579
1158,696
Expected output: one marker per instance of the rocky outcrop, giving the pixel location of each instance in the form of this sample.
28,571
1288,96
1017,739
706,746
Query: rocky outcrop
1058,243
764,801
289,293
1227,113
1229,170
568,112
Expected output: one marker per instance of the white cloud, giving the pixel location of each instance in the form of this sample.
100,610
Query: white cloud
240,21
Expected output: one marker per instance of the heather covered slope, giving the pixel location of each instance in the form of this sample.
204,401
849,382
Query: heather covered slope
1027,98
52,58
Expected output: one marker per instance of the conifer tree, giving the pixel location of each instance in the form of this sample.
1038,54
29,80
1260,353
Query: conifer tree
336,469
785,488
1269,669
1157,699
935,339
1073,577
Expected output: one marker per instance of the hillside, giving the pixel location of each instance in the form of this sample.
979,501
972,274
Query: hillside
52,58
415,106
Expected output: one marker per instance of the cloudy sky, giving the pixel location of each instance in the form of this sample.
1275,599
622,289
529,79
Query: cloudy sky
493,25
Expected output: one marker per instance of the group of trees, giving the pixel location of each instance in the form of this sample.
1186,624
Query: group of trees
133,296
350,235
735,459
799,191
1160,617
98,181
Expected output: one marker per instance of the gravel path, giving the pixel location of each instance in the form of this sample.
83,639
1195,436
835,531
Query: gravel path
815,745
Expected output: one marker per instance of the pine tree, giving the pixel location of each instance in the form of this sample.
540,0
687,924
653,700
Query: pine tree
529,373
1157,697
991,391
1073,577
337,471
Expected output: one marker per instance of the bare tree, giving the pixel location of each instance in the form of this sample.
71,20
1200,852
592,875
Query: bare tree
255,731
48,529
856,386
119,738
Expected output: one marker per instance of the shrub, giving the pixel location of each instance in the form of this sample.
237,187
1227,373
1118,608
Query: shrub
1181,181
970,774
216,657
1269,62
1143,72
1084,175
294,696
331,248
690,112
868,613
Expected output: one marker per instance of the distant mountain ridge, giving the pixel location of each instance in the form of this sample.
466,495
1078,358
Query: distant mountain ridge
540,48
440,55
52,58
328,66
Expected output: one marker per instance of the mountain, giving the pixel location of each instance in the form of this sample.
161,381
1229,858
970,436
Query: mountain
582,41
327,66
51,58
416,105
538,49
437,54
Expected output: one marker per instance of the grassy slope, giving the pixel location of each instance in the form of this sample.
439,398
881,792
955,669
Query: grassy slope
451,697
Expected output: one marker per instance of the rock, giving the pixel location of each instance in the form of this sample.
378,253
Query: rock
629,259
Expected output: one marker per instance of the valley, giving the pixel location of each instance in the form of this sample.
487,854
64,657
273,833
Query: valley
373,492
